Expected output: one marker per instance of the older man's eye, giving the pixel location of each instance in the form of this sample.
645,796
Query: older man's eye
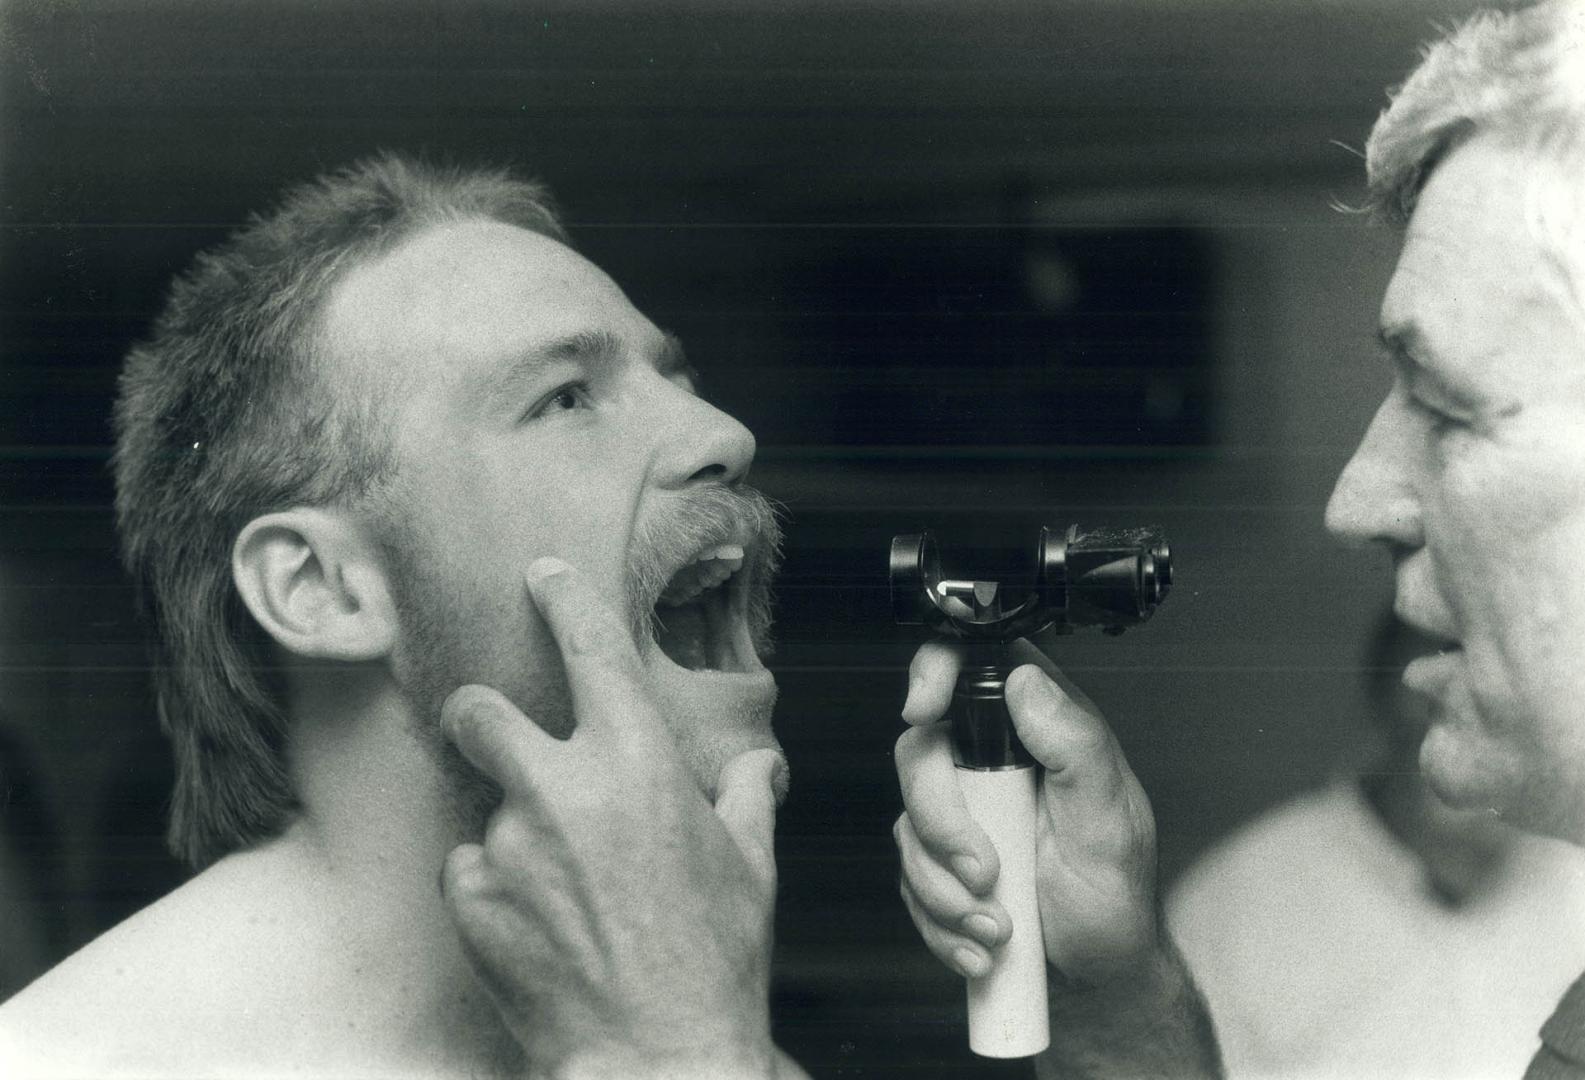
1438,420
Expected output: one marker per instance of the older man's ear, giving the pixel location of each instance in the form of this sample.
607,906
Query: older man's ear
316,585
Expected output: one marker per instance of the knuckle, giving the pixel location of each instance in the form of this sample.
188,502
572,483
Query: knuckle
912,756
1087,739
942,896
506,840
937,833
909,745
599,636
590,635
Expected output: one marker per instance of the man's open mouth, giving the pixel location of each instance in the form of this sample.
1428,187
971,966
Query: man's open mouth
700,620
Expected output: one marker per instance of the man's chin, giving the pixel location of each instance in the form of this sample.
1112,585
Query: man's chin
1467,772
1443,764
715,716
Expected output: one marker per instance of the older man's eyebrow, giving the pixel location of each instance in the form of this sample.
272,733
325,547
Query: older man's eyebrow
1401,343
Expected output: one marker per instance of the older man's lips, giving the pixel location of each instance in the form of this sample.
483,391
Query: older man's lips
1427,675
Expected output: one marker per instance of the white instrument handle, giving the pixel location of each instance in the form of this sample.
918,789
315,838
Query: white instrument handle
1007,1006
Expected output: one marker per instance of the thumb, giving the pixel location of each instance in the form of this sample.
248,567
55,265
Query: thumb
751,785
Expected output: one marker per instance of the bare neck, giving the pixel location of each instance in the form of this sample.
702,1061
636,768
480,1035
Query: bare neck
375,827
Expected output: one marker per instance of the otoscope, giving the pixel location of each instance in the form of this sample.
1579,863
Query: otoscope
1113,578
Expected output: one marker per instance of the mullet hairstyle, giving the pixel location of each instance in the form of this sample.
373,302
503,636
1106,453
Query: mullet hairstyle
223,415
1516,74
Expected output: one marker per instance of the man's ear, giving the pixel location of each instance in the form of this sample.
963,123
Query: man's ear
314,583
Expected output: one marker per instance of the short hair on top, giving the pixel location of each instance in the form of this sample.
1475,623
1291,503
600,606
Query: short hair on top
222,416
1517,74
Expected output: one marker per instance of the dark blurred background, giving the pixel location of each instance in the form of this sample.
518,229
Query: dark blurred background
977,267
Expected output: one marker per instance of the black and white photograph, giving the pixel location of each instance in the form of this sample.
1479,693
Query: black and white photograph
759,539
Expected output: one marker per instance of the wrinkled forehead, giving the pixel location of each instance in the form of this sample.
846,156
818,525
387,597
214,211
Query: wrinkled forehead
457,297
1480,260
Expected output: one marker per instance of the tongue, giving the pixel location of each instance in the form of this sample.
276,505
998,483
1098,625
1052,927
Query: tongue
681,634
685,586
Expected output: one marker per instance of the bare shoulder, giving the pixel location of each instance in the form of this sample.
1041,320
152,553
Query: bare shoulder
185,983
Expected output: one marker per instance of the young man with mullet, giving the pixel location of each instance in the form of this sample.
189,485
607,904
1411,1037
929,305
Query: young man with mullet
389,442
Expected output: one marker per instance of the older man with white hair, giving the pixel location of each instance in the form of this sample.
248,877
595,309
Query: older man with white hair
1471,476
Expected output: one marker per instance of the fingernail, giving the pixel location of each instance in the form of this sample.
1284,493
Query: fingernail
452,713
969,962
982,928
967,868
546,566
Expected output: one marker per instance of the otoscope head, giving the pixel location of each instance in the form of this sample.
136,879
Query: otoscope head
1113,578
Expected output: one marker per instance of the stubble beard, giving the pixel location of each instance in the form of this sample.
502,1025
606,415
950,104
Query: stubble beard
449,638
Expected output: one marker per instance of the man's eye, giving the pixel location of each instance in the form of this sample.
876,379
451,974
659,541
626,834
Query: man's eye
563,399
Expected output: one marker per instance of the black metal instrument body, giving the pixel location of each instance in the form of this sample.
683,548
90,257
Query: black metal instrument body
1112,578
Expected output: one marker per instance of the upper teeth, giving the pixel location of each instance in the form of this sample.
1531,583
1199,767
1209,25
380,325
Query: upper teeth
710,569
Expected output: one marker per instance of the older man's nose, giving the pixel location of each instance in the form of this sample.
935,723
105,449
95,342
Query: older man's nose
1373,500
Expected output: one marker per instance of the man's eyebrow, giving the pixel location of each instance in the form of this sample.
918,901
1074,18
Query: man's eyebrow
516,372
1401,342
594,347
587,345
583,345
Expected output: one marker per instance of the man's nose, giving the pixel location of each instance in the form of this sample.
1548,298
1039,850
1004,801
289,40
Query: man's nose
1374,500
700,442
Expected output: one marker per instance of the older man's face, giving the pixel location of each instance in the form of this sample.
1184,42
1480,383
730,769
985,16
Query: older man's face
536,412
1473,475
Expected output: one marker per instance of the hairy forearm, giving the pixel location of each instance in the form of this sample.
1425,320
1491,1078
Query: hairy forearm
1154,1024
